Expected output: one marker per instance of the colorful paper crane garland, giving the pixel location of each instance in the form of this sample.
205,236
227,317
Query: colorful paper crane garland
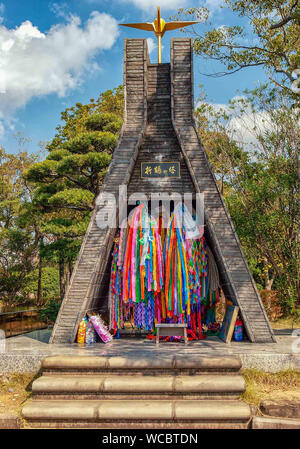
141,265
154,285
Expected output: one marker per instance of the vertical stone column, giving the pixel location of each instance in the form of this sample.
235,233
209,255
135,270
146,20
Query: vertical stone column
136,61
182,80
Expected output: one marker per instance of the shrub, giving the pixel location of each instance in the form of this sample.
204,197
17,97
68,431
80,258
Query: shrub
49,313
50,284
271,303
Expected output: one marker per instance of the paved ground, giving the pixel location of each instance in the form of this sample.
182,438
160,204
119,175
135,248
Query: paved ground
24,353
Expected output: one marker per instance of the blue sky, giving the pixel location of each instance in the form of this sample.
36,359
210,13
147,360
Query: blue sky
56,53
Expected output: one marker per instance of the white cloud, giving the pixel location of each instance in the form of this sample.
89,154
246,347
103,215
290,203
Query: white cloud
166,5
246,127
244,124
34,64
213,5
152,45
59,10
150,6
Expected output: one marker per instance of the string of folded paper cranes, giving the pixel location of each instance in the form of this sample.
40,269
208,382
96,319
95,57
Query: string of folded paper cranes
159,276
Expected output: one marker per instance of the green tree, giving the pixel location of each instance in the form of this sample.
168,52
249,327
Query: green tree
49,313
225,154
19,234
49,282
67,183
267,35
262,183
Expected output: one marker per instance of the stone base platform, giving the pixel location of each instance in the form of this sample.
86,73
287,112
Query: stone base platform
25,353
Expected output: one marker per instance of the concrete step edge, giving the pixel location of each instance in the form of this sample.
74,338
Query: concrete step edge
213,383
138,410
135,396
100,362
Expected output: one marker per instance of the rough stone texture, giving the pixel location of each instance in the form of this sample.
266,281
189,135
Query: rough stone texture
269,361
275,423
20,363
282,408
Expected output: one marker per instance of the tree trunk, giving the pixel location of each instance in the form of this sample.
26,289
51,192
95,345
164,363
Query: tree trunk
70,268
39,289
68,274
269,283
268,280
222,185
62,279
297,303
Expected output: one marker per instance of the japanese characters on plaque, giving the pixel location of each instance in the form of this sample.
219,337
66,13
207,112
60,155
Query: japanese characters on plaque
160,169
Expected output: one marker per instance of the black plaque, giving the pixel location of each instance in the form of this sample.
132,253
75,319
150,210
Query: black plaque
160,169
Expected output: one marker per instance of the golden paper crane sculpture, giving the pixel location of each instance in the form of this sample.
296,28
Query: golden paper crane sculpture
159,27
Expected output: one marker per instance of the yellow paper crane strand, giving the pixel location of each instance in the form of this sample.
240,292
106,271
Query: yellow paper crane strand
159,27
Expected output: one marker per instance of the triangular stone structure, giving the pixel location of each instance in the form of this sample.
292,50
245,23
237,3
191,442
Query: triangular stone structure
159,125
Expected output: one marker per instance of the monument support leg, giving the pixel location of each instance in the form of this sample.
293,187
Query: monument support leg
185,336
157,336
159,49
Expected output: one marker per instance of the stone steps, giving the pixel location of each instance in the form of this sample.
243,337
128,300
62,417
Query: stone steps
121,392
137,413
114,386
154,365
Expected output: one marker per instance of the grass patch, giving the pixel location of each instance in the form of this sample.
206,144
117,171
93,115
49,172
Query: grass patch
261,385
286,323
15,389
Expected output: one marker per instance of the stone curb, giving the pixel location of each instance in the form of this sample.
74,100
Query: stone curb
281,408
274,423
